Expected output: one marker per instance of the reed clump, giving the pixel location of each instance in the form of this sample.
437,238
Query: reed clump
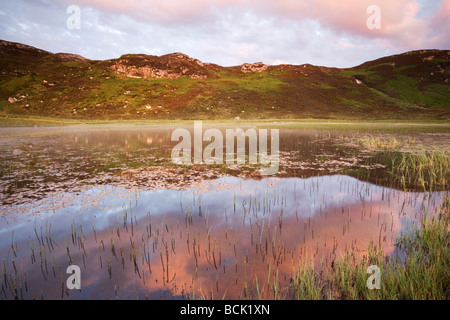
428,170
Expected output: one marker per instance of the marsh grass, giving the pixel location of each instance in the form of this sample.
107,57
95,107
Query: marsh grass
429,170
418,270
384,144
410,165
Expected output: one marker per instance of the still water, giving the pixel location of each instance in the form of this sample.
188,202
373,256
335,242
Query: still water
110,201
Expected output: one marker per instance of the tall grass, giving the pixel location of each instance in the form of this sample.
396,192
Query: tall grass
418,270
429,170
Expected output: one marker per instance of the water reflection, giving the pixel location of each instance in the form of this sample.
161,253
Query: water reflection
38,164
211,241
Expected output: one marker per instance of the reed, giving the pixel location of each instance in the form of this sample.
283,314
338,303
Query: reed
422,273
429,170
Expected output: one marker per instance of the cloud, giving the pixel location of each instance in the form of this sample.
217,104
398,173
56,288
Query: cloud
231,32
440,26
400,21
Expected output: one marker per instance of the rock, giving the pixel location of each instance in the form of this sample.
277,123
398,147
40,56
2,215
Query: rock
253,67
172,66
12,100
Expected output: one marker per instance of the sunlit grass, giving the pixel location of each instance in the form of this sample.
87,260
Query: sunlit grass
428,170
423,272
385,144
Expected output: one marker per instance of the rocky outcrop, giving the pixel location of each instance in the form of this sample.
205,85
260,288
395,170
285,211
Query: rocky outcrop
253,67
170,66
142,72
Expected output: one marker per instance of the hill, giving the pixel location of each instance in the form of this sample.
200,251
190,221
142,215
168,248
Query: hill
413,85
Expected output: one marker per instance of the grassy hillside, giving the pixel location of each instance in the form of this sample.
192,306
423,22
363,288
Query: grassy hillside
34,82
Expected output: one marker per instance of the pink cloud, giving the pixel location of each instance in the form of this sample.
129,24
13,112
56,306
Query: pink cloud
400,25
398,18
440,25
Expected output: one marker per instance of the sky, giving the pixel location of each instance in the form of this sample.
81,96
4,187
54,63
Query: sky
334,33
